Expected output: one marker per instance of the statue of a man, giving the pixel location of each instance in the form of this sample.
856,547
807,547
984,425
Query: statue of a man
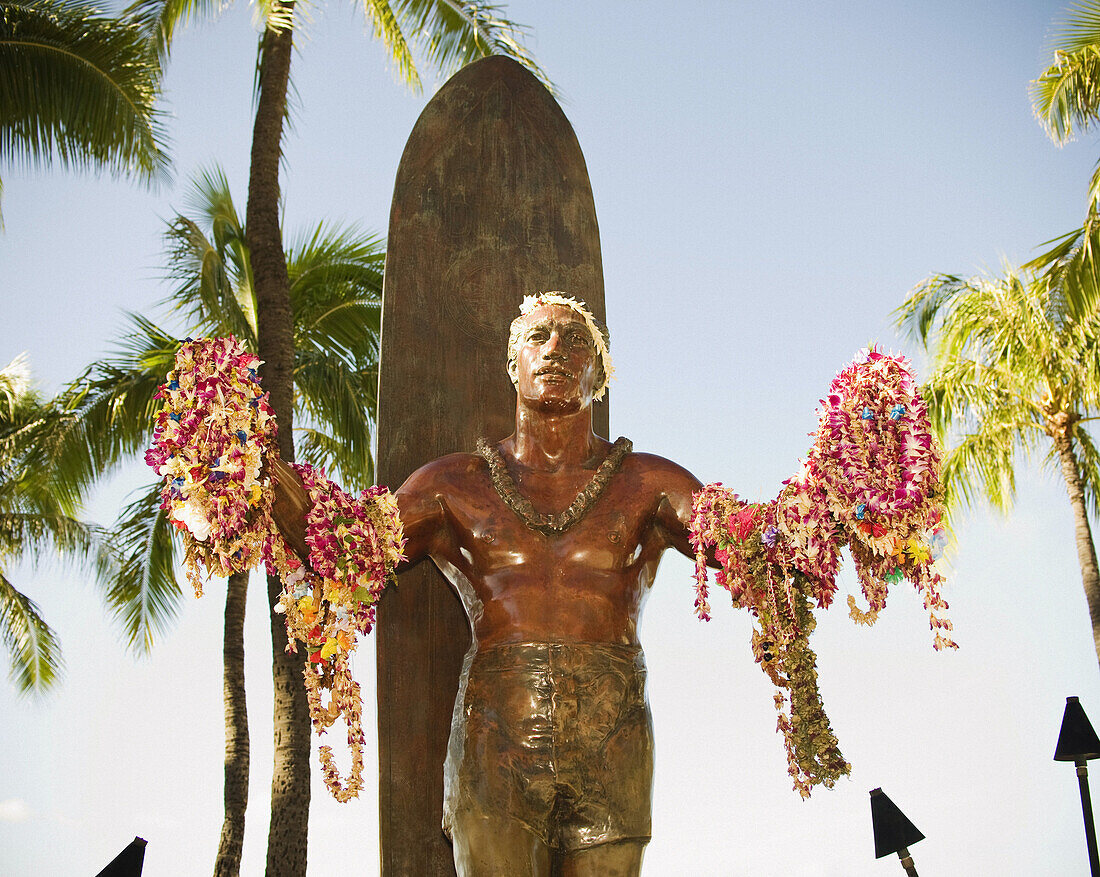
552,538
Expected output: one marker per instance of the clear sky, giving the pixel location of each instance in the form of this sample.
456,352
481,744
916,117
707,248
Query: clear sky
770,180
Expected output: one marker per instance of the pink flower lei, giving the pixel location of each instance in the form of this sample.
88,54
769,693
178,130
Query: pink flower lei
870,482
355,544
211,438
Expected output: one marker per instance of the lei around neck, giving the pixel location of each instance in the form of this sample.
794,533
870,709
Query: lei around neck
551,525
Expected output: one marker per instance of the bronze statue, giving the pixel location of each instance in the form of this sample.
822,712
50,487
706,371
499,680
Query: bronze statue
552,538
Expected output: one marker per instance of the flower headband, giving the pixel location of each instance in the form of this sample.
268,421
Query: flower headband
599,334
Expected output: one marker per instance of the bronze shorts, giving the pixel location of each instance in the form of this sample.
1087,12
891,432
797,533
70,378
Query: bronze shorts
557,736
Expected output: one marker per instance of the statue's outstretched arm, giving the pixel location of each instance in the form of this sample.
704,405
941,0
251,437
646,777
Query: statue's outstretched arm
290,507
676,487
239,505
420,503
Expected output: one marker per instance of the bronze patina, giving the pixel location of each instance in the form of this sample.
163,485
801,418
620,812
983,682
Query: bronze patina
491,202
550,755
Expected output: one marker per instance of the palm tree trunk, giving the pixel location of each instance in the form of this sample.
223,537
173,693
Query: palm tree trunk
228,863
288,834
1086,550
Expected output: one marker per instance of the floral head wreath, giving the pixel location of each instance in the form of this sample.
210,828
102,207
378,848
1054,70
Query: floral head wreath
600,337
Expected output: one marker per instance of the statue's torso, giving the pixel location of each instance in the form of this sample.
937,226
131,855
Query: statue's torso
586,584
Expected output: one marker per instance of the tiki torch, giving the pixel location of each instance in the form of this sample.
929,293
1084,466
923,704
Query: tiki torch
893,831
1077,743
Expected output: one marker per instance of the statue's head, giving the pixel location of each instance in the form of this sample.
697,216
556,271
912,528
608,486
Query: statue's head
597,333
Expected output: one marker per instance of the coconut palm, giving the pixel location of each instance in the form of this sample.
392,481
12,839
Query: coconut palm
78,88
1066,96
335,287
449,33
37,518
1016,368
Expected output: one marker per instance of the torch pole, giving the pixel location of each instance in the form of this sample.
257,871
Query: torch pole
1086,810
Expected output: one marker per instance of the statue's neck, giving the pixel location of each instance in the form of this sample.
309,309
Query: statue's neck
546,440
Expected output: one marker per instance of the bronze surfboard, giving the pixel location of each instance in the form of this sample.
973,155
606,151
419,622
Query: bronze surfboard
492,202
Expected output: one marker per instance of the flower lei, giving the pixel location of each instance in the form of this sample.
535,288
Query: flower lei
210,440
870,482
354,546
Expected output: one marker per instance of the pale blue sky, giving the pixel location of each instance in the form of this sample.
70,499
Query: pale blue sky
770,180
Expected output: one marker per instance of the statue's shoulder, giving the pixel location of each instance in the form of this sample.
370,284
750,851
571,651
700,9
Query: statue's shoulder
454,471
659,472
646,462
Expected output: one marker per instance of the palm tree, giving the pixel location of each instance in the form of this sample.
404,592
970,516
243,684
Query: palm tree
335,289
79,88
450,33
1066,96
1016,368
37,516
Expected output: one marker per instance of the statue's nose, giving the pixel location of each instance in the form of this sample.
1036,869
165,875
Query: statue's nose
551,348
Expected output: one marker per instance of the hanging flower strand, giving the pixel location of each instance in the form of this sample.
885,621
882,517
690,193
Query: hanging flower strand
211,438
879,467
355,544
871,482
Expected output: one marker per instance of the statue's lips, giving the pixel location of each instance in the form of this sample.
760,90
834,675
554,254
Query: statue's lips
550,371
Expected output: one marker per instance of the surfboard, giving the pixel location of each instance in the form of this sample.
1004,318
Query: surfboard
492,202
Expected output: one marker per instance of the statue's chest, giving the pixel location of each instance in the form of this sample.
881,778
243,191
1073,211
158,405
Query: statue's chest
609,536
552,493
551,502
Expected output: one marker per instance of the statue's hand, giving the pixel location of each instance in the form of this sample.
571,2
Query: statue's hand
291,505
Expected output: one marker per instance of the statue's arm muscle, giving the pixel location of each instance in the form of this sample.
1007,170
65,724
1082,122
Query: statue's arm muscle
673,517
420,506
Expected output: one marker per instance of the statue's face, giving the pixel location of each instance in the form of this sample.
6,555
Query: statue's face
556,366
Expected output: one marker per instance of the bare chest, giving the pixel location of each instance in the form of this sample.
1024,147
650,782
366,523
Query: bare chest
558,532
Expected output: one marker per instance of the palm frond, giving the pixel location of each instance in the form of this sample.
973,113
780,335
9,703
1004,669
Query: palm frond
274,15
1072,267
79,89
998,321
980,468
16,391
144,592
209,262
963,394
31,643
159,19
23,416
38,506
31,534
1009,352
111,406
386,27
1089,459
343,398
453,33
920,313
1067,93
1081,27
336,291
